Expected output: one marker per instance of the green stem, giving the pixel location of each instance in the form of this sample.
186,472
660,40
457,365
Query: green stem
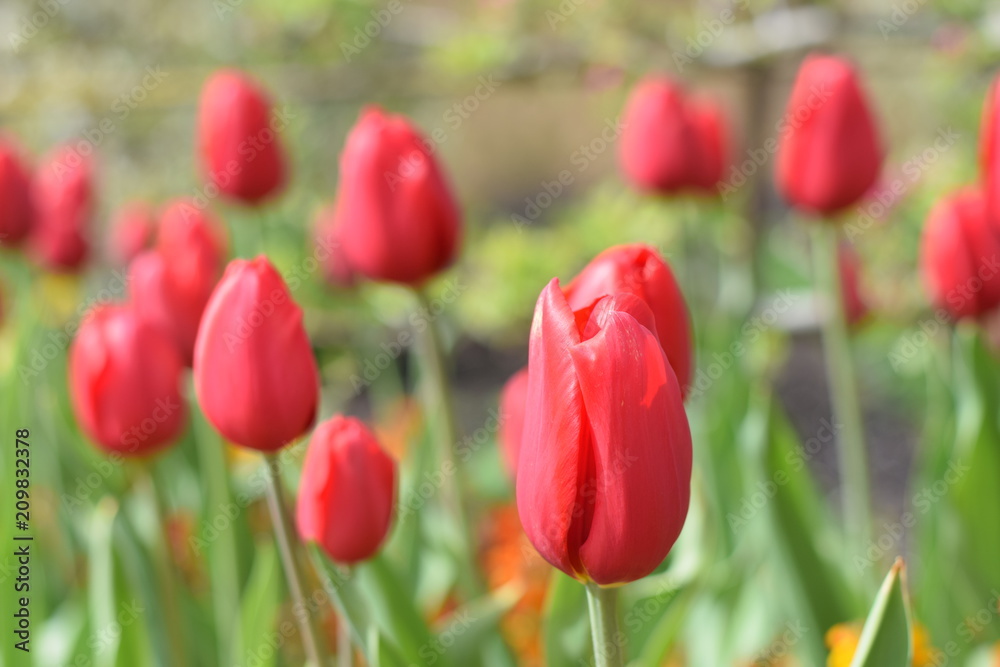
853,455
438,399
282,534
223,560
608,645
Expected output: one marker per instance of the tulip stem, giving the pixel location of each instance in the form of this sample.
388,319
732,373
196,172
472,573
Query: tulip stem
282,534
438,397
603,606
853,455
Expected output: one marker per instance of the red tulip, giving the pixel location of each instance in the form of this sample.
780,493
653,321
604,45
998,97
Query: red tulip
254,371
855,306
989,153
172,284
829,153
639,270
603,480
960,256
240,149
512,408
16,210
328,237
398,219
348,491
660,148
124,382
713,143
132,231
63,199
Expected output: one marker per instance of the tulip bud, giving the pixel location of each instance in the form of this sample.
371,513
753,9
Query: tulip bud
960,256
348,491
16,208
241,152
713,144
659,144
254,371
397,217
512,408
639,270
829,154
124,382
132,231
171,285
63,199
989,153
855,306
604,474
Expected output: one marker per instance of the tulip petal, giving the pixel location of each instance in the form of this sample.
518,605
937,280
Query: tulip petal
641,449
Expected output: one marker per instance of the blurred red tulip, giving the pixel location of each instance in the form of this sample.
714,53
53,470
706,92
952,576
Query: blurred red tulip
348,491
395,210
829,153
709,123
254,371
603,480
855,306
63,198
241,151
17,212
171,285
132,231
512,408
124,382
327,238
659,143
639,270
960,256
989,153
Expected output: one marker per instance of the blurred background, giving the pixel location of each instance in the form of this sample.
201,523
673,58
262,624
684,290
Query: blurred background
512,93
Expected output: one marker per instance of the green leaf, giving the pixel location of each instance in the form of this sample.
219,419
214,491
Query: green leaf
469,630
886,638
259,607
566,629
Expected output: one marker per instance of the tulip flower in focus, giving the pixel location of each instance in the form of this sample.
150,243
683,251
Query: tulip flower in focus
960,256
124,382
133,229
64,201
604,473
348,491
855,307
241,152
670,143
17,209
395,211
639,270
171,284
512,408
328,241
830,153
254,371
